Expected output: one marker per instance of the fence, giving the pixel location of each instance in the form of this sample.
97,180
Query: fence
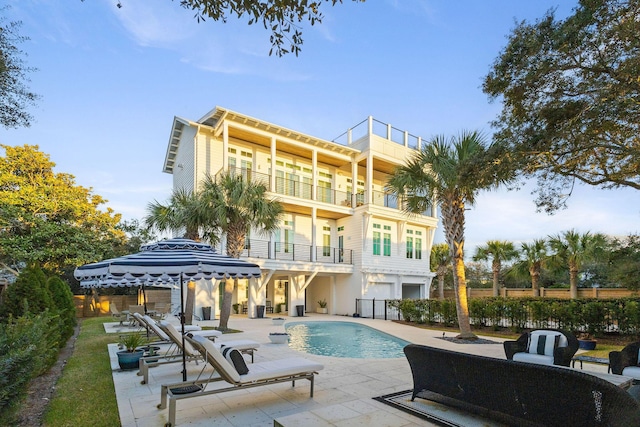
600,293
99,305
376,309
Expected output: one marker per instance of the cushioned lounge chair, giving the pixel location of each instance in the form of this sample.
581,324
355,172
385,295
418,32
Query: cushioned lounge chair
625,361
175,354
543,346
117,314
257,374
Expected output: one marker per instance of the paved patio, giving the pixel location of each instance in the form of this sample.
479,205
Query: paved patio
342,395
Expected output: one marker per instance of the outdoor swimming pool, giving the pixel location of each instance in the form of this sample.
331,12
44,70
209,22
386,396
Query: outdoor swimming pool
343,339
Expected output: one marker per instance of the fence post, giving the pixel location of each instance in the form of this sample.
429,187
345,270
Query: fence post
385,309
373,309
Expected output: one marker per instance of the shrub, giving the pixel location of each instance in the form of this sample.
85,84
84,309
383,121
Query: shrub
62,301
28,294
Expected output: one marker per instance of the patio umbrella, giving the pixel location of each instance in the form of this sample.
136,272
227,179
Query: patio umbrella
172,260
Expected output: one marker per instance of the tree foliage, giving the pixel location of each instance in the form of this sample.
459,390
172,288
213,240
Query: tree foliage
15,96
282,17
46,219
571,98
498,251
29,294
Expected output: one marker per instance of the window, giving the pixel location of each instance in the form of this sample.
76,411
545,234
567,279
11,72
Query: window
418,245
286,231
409,247
326,241
414,245
387,241
376,239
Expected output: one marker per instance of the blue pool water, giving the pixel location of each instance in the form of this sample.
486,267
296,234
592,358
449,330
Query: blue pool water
343,339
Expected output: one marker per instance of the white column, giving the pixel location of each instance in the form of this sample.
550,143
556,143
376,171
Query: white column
314,179
314,232
225,146
272,176
354,180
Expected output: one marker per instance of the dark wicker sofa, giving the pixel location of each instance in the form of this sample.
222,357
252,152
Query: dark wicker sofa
561,355
519,394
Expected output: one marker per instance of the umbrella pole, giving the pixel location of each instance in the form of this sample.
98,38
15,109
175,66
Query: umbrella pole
184,353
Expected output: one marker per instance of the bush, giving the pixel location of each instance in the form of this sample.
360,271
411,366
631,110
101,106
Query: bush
62,301
28,348
27,295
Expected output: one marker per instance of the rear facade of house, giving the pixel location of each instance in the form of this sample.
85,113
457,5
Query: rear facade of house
341,238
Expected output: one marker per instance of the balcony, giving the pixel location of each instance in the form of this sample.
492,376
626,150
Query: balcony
267,249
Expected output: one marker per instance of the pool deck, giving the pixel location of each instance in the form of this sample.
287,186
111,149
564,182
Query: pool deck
343,390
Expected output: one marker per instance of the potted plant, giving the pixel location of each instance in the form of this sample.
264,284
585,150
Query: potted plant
278,320
586,341
279,337
129,358
236,308
323,306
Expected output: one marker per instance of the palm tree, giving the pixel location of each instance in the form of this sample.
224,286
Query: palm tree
535,256
498,251
450,172
572,249
440,263
238,205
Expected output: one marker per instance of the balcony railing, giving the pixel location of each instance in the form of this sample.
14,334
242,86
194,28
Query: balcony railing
296,252
304,190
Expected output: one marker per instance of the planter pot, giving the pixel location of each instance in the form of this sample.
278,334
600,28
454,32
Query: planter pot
129,359
279,338
278,321
322,310
587,344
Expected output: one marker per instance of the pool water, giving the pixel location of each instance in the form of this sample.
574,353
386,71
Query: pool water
343,339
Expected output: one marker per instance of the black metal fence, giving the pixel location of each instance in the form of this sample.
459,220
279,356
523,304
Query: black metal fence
376,309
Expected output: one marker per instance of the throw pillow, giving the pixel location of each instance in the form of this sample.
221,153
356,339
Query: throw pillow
544,344
234,357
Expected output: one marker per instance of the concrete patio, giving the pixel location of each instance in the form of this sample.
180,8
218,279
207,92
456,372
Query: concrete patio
342,395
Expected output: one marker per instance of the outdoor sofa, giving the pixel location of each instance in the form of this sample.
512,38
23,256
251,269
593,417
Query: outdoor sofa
625,361
543,346
230,373
519,394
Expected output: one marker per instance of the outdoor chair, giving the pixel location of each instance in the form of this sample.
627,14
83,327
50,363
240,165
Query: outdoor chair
227,368
116,314
134,309
245,309
269,307
625,361
543,346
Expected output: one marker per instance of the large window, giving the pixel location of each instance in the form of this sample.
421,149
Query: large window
418,245
326,241
414,244
409,243
376,239
284,237
387,241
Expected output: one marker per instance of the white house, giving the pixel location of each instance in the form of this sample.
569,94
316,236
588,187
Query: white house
342,237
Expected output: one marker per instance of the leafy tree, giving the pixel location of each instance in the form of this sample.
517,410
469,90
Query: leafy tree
63,306
441,264
572,250
450,173
239,206
570,92
27,295
46,219
624,262
15,97
281,17
498,251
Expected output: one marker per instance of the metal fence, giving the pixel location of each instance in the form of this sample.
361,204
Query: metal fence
376,309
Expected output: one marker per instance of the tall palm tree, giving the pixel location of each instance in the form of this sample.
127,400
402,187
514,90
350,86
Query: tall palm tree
498,251
440,263
238,205
450,172
573,249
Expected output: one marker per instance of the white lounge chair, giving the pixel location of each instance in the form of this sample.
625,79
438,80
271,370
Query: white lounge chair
259,374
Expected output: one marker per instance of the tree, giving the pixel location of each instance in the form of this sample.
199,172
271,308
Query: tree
624,262
15,97
27,295
281,17
239,206
450,173
440,263
534,257
570,92
63,306
572,249
46,219
498,251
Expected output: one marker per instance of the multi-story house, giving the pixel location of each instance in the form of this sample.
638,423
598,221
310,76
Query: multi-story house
342,237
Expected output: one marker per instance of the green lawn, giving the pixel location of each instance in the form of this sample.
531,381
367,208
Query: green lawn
85,395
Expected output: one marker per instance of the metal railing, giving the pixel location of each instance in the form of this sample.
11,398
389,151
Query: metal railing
267,249
376,309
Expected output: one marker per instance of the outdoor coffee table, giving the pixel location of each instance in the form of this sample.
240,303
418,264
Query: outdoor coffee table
619,380
590,359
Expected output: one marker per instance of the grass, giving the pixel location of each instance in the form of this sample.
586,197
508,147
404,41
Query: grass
602,350
85,395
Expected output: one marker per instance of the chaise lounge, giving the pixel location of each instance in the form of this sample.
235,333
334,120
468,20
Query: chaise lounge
543,346
232,374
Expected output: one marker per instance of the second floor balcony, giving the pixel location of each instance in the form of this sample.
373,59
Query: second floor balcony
268,249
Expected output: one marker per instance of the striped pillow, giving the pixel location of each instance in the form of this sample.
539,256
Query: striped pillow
234,357
543,343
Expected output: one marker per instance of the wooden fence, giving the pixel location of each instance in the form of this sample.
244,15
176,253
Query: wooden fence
601,293
99,305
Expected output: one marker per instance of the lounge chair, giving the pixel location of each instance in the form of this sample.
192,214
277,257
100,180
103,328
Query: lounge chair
259,374
625,361
543,346
174,353
117,314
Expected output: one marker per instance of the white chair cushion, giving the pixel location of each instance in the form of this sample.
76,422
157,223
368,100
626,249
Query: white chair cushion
540,359
545,342
632,371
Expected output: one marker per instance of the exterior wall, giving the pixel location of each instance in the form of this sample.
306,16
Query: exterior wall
184,172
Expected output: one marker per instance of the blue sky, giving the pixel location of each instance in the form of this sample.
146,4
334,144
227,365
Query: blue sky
112,79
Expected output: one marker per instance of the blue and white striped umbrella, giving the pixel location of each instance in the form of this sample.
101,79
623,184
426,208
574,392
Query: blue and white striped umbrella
166,261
